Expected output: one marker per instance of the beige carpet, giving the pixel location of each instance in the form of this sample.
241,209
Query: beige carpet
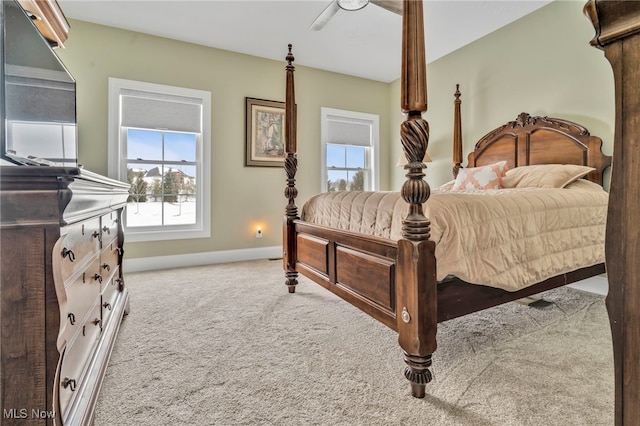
227,345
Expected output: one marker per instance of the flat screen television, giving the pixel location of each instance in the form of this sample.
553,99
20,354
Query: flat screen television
38,96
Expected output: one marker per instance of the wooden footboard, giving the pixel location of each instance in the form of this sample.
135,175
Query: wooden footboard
358,268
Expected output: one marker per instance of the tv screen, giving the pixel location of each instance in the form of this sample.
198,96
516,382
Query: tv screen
39,113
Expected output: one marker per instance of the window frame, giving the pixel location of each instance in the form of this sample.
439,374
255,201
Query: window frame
372,157
117,159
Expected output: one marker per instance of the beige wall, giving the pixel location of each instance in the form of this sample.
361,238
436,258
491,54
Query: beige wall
541,64
241,196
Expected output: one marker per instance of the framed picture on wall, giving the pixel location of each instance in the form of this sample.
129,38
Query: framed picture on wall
264,133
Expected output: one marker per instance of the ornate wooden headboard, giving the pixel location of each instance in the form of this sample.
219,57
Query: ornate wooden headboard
532,140
541,140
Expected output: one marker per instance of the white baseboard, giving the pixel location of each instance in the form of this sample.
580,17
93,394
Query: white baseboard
598,284
197,259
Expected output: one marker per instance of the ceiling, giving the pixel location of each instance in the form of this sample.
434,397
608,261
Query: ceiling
364,43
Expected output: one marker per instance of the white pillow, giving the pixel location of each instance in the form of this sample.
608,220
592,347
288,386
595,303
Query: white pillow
480,178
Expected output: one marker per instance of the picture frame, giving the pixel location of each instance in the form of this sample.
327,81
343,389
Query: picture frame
265,121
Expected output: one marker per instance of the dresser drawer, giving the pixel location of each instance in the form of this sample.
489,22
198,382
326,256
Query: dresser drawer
109,261
79,243
109,227
76,356
82,294
109,296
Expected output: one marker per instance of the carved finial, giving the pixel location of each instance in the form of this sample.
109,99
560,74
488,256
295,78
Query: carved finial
457,94
523,119
290,57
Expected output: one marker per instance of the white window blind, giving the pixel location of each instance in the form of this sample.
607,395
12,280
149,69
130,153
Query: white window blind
348,132
160,111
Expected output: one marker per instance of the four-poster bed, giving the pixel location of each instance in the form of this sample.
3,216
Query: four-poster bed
396,279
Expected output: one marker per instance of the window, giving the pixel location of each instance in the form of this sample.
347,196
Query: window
349,150
159,142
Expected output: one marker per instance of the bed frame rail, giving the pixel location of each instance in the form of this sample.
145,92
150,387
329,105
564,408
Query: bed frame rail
457,298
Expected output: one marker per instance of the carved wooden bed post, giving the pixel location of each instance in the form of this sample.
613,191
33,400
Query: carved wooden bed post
457,134
290,167
617,25
416,306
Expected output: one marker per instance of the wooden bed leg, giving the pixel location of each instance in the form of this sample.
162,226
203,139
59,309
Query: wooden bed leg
418,373
291,278
418,391
291,192
417,310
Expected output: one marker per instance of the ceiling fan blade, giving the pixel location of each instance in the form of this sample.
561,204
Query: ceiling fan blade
325,16
394,6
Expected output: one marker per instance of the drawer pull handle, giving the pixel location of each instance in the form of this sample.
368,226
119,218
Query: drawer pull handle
97,322
107,305
95,234
106,266
120,251
66,252
72,318
69,383
106,229
98,278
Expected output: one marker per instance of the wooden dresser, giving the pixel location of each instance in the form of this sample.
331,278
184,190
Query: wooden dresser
62,291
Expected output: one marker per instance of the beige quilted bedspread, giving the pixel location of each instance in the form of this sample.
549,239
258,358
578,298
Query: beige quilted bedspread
505,238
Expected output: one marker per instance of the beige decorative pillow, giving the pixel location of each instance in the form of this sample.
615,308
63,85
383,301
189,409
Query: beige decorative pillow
544,175
483,177
586,185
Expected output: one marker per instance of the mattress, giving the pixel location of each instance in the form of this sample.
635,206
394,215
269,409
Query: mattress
504,238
